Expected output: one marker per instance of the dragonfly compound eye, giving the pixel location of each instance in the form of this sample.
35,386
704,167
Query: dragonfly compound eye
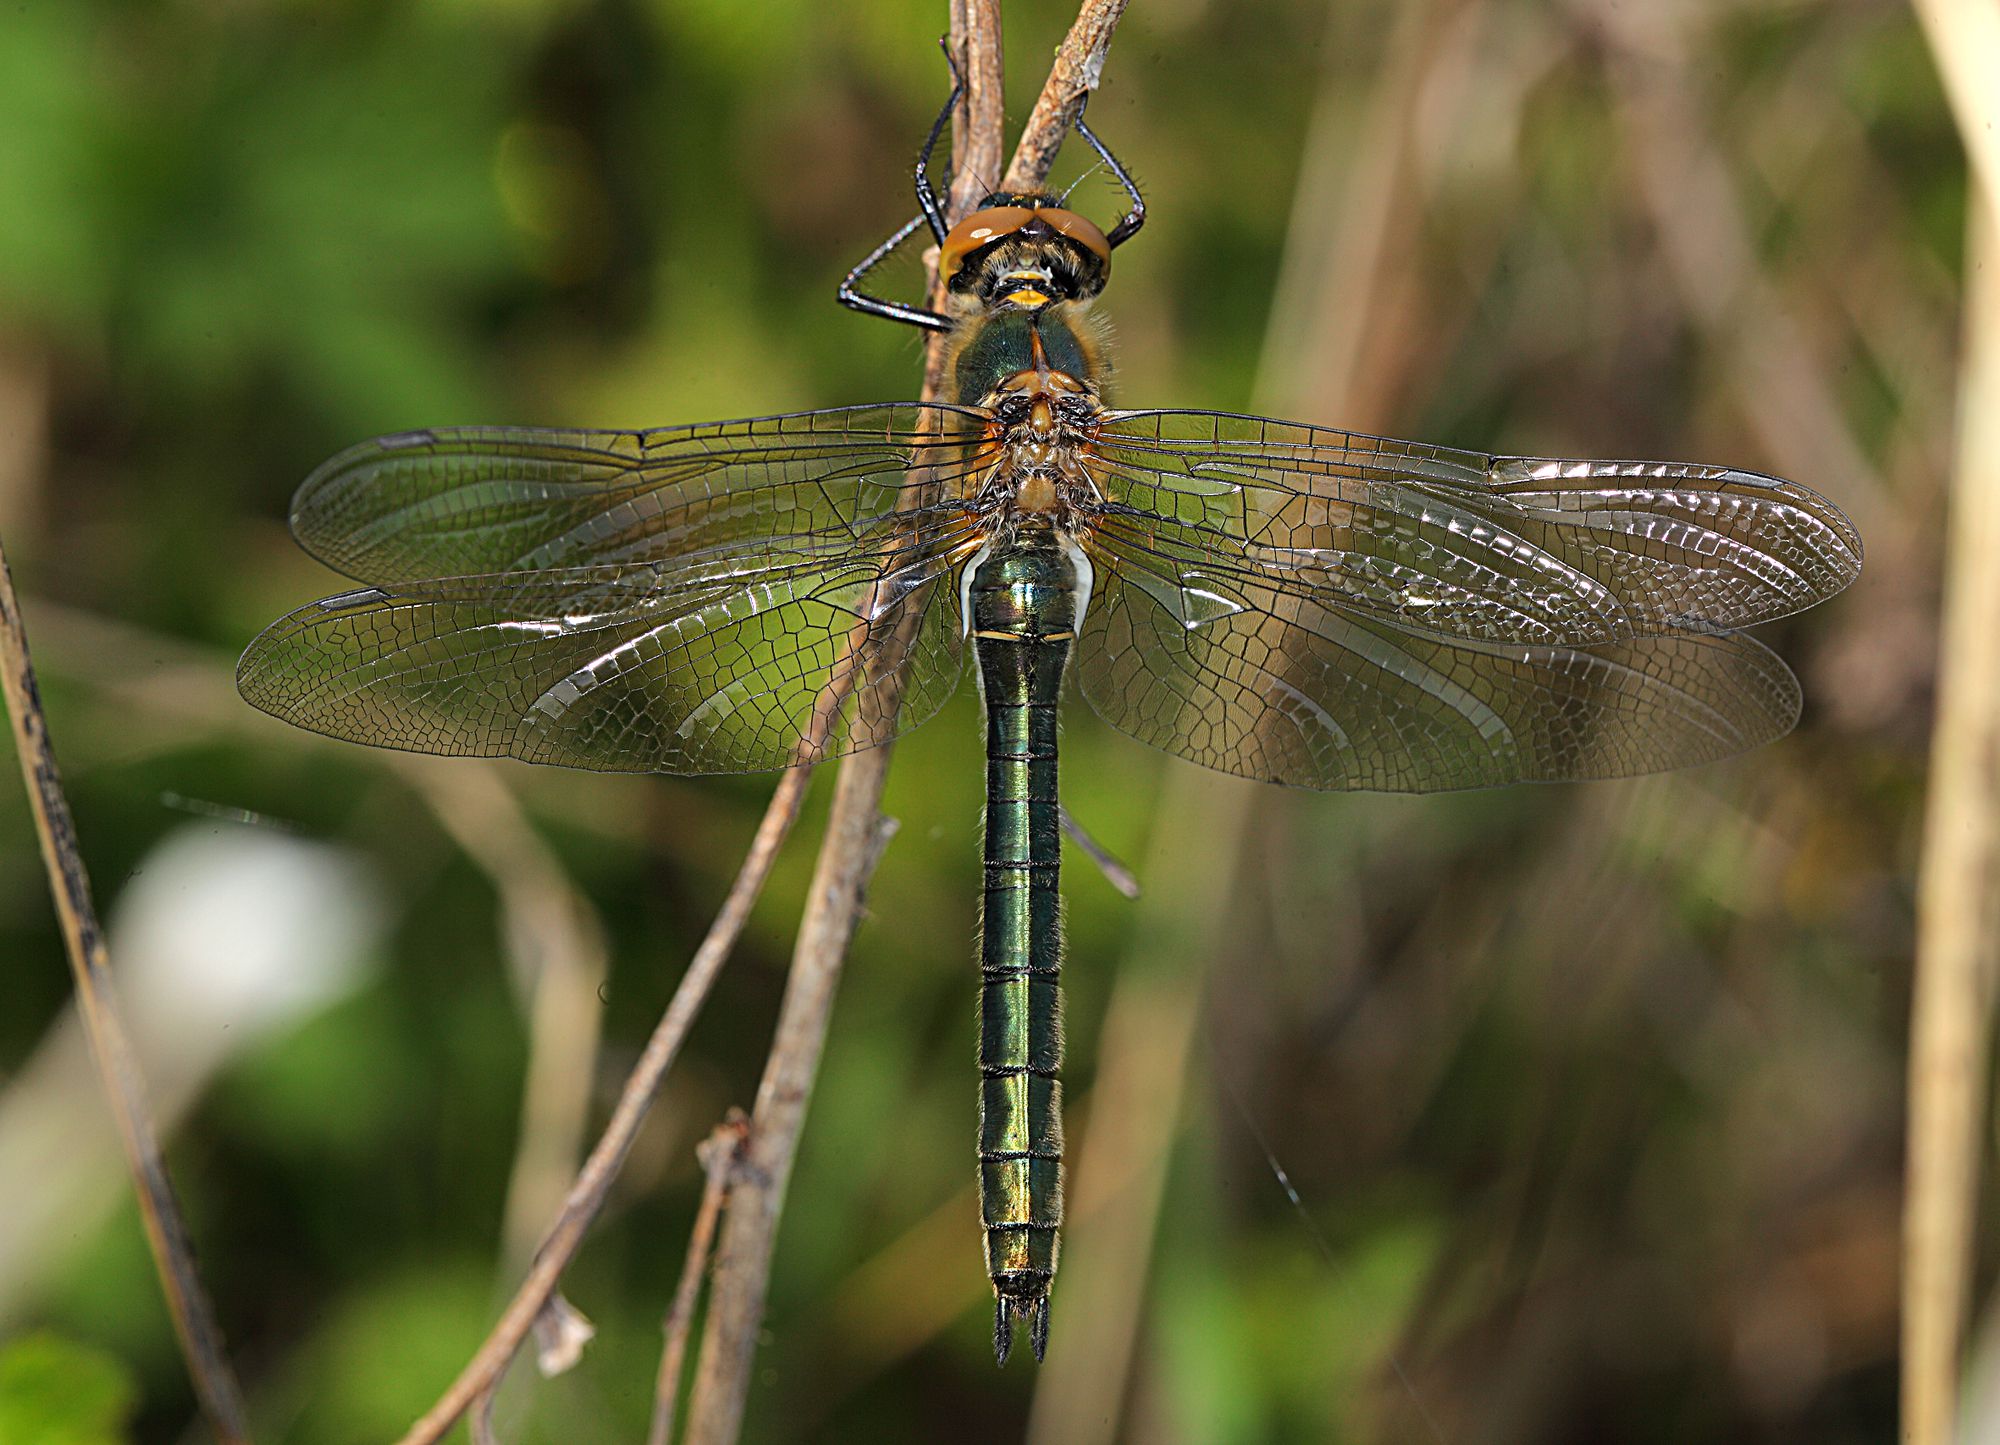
978,231
1080,229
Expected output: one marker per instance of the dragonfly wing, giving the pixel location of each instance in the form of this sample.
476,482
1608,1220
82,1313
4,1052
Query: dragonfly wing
1499,549
1271,684
707,667
473,501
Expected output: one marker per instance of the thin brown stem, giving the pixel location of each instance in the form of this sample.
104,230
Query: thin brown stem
586,1197
720,1154
855,835
482,1420
1078,67
1958,893
977,130
555,944
90,962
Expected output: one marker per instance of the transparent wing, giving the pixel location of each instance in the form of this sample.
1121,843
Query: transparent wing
1270,683
473,501
708,665
1461,545
732,597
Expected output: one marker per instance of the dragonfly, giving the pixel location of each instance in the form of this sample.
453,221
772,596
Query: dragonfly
1275,600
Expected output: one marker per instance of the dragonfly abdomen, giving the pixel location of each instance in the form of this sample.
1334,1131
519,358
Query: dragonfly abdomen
1023,620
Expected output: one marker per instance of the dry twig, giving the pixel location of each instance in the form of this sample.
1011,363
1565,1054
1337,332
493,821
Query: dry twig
556,945
1958,892
1958,896
856,833
1078,67
586,1197
719,1154
977,129
69,885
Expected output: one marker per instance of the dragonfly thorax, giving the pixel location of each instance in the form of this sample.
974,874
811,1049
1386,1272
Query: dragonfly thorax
1042,427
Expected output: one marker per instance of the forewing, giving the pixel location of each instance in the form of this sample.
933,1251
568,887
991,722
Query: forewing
713,666
473,501
1498,549
1271,684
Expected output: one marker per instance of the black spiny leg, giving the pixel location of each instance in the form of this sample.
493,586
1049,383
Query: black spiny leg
930,210
889,310
1126,229
927,199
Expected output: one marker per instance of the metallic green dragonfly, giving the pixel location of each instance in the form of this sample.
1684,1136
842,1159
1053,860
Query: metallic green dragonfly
1279,601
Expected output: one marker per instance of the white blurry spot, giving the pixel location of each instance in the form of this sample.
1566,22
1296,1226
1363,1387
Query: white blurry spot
223,937
239,928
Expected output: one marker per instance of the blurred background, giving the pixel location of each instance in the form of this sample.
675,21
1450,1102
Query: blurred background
1590,1096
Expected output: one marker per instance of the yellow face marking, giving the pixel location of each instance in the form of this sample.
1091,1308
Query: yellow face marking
1027,296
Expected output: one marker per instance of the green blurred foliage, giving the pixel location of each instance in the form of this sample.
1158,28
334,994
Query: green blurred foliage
54,1391
1589,1095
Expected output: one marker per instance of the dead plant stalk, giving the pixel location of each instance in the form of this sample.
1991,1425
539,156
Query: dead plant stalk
110,1045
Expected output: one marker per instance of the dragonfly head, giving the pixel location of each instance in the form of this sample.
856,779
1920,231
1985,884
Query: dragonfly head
1025,250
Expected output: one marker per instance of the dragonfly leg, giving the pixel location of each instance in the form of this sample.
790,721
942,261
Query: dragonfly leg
929,211
850,293
1126,229
927,196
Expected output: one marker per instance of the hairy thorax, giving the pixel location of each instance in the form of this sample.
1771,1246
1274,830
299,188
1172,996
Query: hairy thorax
1040,441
